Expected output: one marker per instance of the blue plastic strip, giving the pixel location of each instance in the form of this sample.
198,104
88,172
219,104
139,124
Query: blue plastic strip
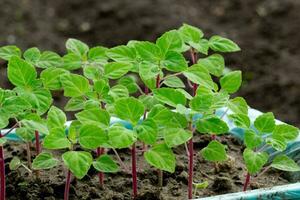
288,192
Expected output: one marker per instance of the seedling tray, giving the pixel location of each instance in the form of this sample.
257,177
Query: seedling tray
289,191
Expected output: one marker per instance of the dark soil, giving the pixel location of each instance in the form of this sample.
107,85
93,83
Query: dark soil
266,30
226,178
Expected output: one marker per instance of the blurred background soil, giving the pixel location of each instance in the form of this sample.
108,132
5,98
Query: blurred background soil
266,30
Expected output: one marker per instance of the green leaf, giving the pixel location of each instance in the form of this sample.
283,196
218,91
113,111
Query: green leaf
79,162
169,96
240,120
74,85
148,51
101,87
98,55
231,82
32,55
221,44
202,46
2,141
25,134
73,131
129,82
20,72
15,163
106,164
94,116
13,106
49,59
174,62
39,98
284,163
74,104
185,93
3,121
175,136
91,136
254,161
51,78
200,75
220,100
129,109
77,47
202,102
214,64
121,53
72,61
215,152
161,157
265,123
120,137
190,33
56,139
56,118
288,132
252,139
35,125
118,91
238,105
174,81
92,72
115,70
277,142
212,125
170,41
147,131
44,161
9,51
160,115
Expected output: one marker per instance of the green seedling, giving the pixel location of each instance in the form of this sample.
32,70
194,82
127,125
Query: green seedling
265,133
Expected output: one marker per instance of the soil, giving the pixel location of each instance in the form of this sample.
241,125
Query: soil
266,30
226,177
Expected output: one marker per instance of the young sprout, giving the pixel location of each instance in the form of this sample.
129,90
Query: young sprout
265,133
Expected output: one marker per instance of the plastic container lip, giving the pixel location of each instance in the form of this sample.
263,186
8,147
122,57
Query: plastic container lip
289,191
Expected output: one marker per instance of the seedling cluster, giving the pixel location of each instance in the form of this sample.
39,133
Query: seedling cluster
168,90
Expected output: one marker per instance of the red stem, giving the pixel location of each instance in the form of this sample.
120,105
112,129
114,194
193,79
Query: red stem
247,181
133,169
191,167
213,137
157,81
67,186
191,144
100,151
37,143
2,174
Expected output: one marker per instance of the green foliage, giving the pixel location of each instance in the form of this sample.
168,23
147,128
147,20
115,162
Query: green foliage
161,157
163,116
254,160
78,162
92,136
44,161
212,125
284,163
105,164
20,72
129,109
215,151
169,96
